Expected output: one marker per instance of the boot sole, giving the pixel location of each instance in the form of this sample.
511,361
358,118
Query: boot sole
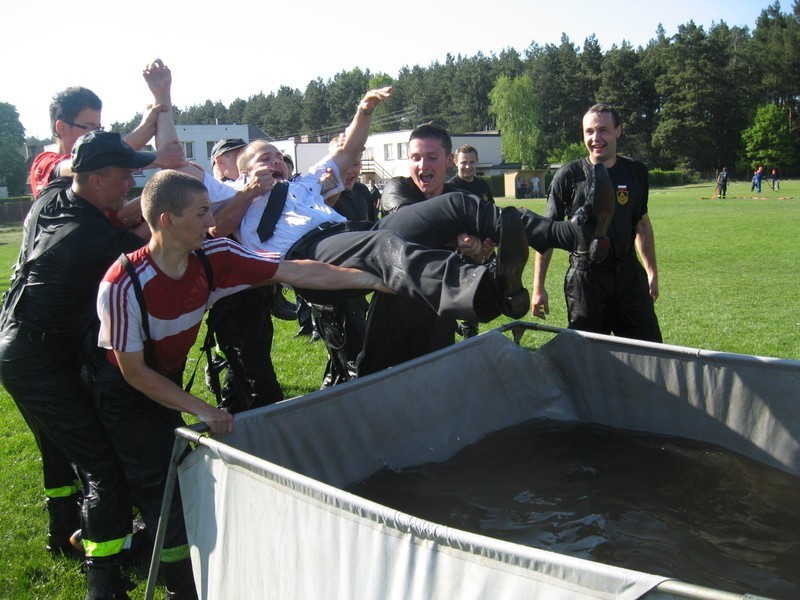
604,201
511,258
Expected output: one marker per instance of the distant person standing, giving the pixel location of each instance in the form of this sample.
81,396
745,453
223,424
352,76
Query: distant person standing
375,192
758,176
466,160
722,182
535,183
775,179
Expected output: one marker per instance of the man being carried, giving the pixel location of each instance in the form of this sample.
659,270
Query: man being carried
404,249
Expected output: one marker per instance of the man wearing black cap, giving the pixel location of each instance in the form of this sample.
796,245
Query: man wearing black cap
223,158
48,335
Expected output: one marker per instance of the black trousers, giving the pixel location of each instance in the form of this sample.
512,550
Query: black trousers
142,435
437,222
243,327
399,330
342,326
43,375
612,297
406,250
432,277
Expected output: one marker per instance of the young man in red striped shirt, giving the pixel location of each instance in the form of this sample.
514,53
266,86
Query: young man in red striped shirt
138,391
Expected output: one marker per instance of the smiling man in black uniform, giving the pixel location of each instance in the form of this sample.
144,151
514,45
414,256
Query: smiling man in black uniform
617,295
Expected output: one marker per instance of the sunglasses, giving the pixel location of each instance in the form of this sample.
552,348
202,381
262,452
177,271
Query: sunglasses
85,127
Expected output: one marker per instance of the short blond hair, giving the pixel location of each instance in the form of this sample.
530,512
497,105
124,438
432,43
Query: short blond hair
168,191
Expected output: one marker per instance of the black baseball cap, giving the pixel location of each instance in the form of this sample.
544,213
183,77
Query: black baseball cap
99,149
226,145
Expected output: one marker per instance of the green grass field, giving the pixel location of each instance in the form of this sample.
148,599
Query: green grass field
728,281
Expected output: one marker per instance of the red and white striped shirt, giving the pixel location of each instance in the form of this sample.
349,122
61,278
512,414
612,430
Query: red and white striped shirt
175,307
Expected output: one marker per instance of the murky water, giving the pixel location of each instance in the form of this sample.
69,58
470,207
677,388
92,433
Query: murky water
656,504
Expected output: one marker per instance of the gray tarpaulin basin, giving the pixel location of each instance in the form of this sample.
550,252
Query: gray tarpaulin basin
267,516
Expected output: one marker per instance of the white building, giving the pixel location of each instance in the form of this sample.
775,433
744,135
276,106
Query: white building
197,141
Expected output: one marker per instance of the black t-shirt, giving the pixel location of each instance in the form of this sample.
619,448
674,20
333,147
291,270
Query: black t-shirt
60,294
356,204
630,181
477,187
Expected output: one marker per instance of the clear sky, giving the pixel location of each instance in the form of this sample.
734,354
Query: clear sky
232,49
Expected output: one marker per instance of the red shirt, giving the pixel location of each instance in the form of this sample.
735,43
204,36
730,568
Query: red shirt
175,307
42,169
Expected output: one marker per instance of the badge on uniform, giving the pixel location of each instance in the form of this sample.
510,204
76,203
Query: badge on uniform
622,194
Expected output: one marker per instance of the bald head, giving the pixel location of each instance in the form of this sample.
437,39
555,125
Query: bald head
260,154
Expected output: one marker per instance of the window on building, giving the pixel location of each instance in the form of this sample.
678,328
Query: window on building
209,148
188,148
388,151
402,150
369,154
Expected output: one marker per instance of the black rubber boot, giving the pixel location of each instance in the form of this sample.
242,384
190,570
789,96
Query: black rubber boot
179,579
104,580
512,254
65,520
593,219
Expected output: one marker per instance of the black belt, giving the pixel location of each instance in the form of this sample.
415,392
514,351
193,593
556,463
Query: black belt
611,262
328,229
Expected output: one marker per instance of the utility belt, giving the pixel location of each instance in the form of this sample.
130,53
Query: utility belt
611,262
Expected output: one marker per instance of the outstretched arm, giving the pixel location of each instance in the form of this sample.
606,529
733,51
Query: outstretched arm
313,275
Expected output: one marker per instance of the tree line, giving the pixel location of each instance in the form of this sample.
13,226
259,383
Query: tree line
694,101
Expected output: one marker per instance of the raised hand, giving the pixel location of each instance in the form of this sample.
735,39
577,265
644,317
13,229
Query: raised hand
374,97
159,79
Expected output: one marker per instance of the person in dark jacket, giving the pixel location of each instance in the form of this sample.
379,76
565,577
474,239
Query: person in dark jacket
47,336
617,295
